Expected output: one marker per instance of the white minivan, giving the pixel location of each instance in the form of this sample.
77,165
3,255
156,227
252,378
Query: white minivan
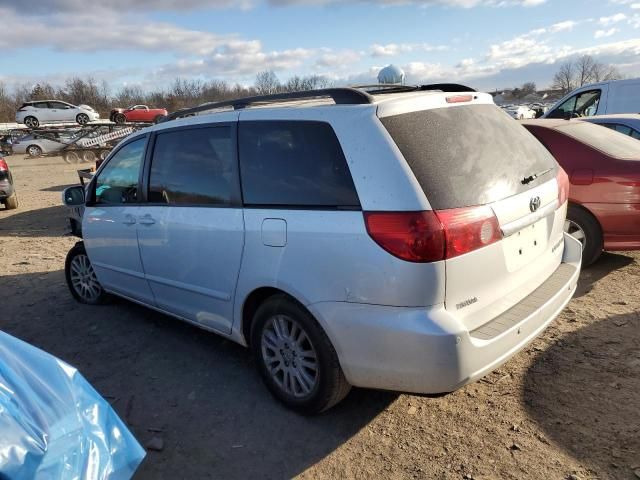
603,98
376,239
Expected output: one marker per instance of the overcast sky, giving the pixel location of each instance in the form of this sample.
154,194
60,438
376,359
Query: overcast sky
489,44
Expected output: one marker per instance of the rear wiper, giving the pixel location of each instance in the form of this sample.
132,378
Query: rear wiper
531,178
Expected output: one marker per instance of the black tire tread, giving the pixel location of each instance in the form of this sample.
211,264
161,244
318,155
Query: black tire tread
593,233
79,248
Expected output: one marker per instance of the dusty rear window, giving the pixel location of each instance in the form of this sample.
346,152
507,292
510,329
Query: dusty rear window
469,155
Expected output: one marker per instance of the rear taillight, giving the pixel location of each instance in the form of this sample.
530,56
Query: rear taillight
459,98
3,165
563,186
468,229
431,236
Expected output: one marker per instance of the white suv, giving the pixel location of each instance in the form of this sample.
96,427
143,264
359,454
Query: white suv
32,114
407,239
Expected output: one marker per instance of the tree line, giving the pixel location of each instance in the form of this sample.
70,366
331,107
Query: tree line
576,73
181,93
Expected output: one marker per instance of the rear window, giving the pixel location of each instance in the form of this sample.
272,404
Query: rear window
469,155
294,164
609,142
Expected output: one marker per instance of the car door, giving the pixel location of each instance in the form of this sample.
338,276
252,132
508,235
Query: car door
109,223
191,228
62,112
43,112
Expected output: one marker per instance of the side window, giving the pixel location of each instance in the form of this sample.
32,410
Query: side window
623,129
193,167
587,103
635,134
117,183
289,163
584,104
41,105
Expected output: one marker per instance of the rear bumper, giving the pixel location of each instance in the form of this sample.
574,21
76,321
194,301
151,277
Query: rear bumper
427,350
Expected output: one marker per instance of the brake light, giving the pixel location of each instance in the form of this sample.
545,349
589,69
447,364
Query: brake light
459,98
3,165
563,186
431,236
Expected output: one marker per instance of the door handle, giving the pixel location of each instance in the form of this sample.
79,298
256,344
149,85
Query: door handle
147,220
129,220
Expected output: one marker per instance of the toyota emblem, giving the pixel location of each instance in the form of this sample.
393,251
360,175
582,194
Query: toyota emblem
534,204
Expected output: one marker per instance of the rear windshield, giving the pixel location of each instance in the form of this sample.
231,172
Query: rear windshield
609,142
469,155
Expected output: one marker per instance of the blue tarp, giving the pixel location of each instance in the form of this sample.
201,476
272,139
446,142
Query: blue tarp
54,425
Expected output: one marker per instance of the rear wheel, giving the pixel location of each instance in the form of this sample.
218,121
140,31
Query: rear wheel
82,118
31,122
71,157
158,118
81,278
295,357
88,156
11,203
103,154
582,226
34,150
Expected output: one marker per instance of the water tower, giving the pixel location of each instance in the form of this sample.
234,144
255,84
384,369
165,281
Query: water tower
391,74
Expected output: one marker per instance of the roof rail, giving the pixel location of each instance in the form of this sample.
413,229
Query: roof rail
341,96
394,88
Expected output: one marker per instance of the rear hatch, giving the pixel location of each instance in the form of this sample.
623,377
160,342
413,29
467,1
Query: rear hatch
475,164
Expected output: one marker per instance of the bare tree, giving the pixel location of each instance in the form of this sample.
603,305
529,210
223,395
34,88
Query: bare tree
602,72
267,83
528,88
564,78
584,70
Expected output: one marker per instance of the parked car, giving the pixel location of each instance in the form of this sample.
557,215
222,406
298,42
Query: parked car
32,114
603,98
627,123
35,145
384,241
520,112
604,170
137,113
8,195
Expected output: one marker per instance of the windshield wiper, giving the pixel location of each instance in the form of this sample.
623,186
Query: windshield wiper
531,178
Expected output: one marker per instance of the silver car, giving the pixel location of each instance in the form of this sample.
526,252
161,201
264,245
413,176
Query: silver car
381,240
34,113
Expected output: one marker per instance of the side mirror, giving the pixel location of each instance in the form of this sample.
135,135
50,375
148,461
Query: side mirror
73,196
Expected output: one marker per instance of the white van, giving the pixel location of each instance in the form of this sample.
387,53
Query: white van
620,96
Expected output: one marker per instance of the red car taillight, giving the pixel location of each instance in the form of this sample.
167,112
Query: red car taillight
3,165
431,236
563,186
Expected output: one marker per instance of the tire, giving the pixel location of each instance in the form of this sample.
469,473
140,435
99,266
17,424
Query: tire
81,279
273,346
71,158
34,150
31,122
11,203
89,156
584,227
82,118
120,118
158,118
103,154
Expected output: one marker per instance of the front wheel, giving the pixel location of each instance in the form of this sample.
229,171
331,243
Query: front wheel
81,278
295,358
82,119
34,150
11,203
582,226
120,118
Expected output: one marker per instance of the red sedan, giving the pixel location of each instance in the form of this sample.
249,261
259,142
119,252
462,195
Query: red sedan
137,113
604,170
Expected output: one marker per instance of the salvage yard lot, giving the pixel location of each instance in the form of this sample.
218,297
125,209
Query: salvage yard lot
567,405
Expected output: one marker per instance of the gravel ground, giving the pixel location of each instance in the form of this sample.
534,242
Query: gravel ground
566,407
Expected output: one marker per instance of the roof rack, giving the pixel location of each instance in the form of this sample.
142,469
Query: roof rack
341,96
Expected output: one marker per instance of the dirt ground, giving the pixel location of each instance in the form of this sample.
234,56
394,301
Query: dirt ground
566,407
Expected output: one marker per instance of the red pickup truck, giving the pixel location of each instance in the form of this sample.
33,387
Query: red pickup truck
137,113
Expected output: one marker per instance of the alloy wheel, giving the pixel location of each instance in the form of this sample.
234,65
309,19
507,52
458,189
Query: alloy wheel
289,356
83,278
576,231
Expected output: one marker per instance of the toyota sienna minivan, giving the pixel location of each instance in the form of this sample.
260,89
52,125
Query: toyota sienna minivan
407,238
